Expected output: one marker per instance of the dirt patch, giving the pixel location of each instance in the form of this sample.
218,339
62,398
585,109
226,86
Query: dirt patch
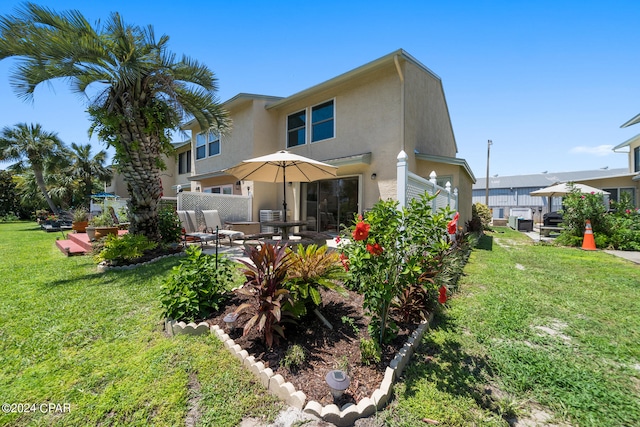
325,349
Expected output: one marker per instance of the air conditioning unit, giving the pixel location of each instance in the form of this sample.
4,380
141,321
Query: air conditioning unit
267,215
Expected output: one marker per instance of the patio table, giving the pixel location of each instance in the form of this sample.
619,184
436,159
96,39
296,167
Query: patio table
285,226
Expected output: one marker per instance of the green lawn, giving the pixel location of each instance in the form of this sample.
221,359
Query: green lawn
541,327
69,335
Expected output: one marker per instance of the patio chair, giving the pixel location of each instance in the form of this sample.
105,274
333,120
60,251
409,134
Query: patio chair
116,220
191,231
213,223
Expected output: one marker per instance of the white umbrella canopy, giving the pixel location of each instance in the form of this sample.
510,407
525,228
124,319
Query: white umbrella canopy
282,166
562,189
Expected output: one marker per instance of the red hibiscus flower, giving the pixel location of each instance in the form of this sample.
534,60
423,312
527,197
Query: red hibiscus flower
362,231
442,298
452,227
375,249
338,239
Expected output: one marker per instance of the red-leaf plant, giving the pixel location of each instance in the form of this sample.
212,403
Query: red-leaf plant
265,275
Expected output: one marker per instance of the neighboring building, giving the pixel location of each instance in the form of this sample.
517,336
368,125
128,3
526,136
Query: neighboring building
359,121
512,192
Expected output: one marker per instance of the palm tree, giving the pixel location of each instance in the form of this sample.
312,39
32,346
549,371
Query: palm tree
138,90
88,169
30,143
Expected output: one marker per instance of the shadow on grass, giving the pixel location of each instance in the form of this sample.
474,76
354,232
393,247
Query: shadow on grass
485,243
445,364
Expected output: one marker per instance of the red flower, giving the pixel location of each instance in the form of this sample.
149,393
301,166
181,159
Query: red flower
359,217
338,239
452,227
375,249
362,231
345,261
442,298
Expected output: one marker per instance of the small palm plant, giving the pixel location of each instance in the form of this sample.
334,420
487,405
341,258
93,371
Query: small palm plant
313,267
265,276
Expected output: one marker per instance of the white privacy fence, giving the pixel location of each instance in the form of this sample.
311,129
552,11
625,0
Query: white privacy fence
230,207
410,186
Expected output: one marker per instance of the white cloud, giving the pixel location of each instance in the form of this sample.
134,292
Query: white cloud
600,150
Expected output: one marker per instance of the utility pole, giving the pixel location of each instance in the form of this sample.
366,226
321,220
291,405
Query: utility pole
486,194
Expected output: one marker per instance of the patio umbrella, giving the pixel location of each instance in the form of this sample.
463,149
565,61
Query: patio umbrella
564,188
282,166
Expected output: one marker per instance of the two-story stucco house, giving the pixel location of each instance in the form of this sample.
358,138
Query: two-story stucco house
358,121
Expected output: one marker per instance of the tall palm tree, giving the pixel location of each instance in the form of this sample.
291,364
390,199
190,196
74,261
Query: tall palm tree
30,143
88,169
138,90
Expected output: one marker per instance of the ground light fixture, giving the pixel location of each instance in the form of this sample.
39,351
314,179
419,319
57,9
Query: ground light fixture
338,382
230,321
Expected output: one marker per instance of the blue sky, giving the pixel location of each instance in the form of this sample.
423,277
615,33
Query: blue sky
549,82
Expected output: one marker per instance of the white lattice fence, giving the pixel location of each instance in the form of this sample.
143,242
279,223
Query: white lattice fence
230,208
417,185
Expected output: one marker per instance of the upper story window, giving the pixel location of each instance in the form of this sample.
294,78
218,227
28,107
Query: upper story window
322,124
636,159
322,121
296,129
219,189
201,146
207,142
214,143
184,162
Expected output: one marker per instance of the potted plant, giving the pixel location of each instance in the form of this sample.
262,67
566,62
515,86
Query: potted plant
102,225
80,220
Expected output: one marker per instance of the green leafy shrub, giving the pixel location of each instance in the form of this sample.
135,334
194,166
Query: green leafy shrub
369,351
480,218
197,286
390,249
294,357
265,276
577,208
169,225
124,248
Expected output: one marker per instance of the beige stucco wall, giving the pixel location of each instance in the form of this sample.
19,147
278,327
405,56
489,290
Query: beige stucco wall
427,123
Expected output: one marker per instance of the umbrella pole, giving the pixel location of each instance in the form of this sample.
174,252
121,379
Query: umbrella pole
284,189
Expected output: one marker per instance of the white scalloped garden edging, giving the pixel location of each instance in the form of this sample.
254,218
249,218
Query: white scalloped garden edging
349,413
174,328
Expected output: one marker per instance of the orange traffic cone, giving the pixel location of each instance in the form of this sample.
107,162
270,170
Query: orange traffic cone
588,243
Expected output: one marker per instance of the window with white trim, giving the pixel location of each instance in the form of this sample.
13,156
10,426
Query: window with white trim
322,121
213,143
201,146
219,189
184,162
297,129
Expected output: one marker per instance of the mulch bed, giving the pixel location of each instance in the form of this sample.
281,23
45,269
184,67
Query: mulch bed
325,349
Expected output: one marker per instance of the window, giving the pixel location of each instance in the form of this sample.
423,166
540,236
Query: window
184,162
322,121
296,129
214,144
201,148
220,189
636,159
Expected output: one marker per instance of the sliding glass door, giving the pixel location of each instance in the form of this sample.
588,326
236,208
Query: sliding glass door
330,203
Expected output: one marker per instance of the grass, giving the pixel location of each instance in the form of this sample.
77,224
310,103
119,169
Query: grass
532,326
541,326
95,341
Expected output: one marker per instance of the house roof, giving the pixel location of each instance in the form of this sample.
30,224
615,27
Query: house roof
546,179
627,143
448,160
632,121
353,74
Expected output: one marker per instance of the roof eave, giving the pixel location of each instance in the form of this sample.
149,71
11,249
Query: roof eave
634,120
448,160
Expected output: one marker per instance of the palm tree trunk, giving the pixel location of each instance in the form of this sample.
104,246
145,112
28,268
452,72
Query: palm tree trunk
141,172
37,172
